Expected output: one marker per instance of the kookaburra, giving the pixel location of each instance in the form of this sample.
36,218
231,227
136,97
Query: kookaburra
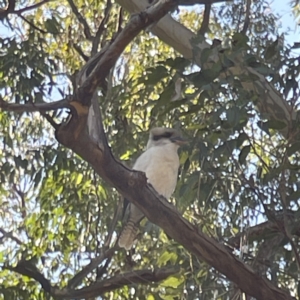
160,163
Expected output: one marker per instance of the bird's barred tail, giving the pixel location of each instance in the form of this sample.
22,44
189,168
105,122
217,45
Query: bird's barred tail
128,235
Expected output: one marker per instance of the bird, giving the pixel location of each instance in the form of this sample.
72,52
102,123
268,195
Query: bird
160,163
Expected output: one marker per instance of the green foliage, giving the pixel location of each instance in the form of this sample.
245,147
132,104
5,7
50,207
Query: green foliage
237,171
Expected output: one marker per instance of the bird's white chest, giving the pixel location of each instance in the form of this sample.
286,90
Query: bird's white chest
161,165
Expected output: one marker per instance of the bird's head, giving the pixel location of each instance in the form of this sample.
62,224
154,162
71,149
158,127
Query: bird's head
160,136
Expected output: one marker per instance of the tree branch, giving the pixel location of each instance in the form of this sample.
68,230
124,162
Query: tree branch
81,19
266,229
96,39
31,107
32,25
106,58
118,281
6,234
28,269
205,22
76,280
247,17
80,52
7,10
20,11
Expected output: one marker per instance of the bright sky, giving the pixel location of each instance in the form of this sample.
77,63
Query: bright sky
287,21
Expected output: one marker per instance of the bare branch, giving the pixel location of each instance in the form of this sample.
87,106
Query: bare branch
76,280
247,17
10,235
20,11
205,22
28,269
50,120
267,229
32,25
101,27
118,281
81,19
113,224
11,6
80,52
31,107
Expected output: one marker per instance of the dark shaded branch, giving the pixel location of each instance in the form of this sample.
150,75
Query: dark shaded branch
76,280
28,269
113,224
11,6
120,20
6,234
134,277
266,252
7,10
80,52
205,22
32,25
267,229
118,281
247,17
81,19
50,120
34,6
31,107
101,28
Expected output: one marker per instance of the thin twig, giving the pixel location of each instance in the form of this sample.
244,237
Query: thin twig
101,28
50,120
20,11
81,19
10,235
32,25
76,280
80,52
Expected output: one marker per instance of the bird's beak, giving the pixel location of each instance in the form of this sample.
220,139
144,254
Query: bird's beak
179,140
